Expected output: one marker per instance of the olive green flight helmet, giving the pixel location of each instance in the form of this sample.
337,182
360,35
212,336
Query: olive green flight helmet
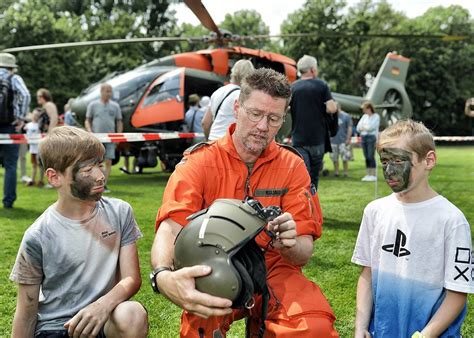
222,237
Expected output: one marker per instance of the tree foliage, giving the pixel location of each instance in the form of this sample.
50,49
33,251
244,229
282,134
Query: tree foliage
65,72
243,22
438,82
439,79
440,73
248,22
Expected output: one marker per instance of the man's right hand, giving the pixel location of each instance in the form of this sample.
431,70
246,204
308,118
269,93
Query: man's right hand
179,287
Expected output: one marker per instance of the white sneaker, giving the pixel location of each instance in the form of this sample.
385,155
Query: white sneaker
48,186
25,179
365,178
371,179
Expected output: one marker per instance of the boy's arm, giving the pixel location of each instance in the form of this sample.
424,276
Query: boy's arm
364,303
93,317
24,321
449,310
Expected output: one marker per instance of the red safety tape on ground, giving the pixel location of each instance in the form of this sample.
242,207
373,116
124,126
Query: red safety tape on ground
104,137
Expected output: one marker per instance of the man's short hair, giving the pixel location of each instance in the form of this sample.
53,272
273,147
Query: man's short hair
417,137
306,63
268,81
65,146
240,70
193,99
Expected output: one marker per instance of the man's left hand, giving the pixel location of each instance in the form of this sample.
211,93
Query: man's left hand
88,321
284,228
19,125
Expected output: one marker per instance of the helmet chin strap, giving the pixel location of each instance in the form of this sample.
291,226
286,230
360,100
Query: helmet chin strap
250,262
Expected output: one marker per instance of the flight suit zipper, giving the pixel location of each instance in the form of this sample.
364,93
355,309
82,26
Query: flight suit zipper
247,183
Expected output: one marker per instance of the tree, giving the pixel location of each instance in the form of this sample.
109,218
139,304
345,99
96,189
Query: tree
343,61
248,23
439,80
366,55
318,17
188,30
30,23
67,71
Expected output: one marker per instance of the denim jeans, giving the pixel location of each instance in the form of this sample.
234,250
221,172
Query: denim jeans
10,159
368,147
313,159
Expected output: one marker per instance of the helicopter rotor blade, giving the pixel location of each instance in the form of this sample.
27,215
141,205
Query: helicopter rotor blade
203,15
99,43
360,36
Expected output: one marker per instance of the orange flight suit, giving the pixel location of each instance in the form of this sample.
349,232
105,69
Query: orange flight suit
297,307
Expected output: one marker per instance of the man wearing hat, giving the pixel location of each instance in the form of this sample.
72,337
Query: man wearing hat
14,103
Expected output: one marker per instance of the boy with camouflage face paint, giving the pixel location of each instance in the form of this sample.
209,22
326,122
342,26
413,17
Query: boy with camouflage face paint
414,246
77,265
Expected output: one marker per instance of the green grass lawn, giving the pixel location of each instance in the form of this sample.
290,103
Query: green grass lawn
342,199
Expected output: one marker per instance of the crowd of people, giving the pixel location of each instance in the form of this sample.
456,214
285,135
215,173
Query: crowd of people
86,237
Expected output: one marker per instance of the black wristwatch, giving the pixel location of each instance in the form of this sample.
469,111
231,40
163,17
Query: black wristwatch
153,275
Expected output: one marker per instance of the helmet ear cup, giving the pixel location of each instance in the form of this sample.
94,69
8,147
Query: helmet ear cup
250,263
247,289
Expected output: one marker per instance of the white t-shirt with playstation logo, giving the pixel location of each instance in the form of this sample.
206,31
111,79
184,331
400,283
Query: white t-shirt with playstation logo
415,251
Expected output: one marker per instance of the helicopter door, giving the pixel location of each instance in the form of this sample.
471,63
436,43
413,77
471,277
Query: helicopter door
162,102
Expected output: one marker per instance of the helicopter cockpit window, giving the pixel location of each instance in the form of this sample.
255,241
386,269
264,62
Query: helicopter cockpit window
163,91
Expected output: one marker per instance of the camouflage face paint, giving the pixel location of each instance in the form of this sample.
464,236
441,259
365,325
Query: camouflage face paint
83,181
396,165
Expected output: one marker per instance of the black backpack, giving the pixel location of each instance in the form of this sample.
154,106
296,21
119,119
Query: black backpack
6,101
43,120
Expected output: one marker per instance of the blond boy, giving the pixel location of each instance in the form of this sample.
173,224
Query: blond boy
414,245
77,265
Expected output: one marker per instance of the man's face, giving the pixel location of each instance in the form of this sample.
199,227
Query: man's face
256,136
106,93
88,180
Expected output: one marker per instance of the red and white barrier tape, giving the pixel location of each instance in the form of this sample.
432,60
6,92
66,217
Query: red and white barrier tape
140,137
357,139
104,137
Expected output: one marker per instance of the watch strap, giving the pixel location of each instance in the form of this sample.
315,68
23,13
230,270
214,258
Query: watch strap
155,273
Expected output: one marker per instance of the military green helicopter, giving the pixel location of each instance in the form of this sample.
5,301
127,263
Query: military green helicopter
153,97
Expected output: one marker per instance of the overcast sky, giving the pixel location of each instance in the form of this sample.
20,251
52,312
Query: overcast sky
274,12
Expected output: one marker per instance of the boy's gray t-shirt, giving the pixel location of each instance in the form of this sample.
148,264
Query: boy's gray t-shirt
76,262
103,116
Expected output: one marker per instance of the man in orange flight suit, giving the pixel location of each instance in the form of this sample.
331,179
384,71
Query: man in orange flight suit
248,162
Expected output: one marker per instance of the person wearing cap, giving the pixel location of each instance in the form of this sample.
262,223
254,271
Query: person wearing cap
17,108
204,103
311,101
